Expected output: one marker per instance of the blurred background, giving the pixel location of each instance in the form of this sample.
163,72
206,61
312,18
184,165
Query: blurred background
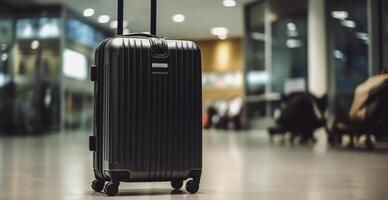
276,74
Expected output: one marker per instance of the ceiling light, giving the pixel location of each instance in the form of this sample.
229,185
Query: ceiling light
293,43
219,31
291,26
257,77
229,3
340,14
103,19
88,12
4,56
222,37
4,79
348,23
362,36
339,55
178,18
35,44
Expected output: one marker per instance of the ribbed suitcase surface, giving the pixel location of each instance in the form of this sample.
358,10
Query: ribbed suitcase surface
148,110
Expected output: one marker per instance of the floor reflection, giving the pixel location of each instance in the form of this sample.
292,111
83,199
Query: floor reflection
243,165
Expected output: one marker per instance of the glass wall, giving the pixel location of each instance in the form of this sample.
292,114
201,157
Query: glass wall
276,53
36,70
256,75
348,41
80,38
255,44
289,44
7,87
44,69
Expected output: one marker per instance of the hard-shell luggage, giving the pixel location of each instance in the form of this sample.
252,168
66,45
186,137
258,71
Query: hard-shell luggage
147,111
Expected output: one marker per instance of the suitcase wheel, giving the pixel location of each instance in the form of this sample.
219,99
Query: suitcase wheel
98,185
111,188
192,186
176,185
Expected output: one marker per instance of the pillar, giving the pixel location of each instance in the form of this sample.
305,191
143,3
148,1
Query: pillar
317,48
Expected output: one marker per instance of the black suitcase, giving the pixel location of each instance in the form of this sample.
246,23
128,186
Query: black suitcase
148,110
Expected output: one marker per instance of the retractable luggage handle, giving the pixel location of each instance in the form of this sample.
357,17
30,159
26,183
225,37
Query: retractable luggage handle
159,45
120,14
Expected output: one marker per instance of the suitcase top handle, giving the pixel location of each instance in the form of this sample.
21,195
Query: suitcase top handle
120,13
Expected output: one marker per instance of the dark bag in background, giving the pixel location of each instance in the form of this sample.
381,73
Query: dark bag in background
301,112
148,110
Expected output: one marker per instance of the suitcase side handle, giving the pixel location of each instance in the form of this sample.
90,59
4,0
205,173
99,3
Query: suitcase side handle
120,14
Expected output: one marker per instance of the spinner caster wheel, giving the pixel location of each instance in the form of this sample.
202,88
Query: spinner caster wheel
111,189
192,186
98,185
177,185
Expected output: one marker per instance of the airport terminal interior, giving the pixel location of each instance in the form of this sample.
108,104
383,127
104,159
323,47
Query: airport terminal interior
294,96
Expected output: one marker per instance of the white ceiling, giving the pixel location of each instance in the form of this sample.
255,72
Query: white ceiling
201,15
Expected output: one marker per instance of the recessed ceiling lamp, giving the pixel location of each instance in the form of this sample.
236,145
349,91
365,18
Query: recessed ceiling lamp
229,3
34,44
348,23
88,12
362,36
4,57
291,26
178,18
103,19
340,14
219,31
293,43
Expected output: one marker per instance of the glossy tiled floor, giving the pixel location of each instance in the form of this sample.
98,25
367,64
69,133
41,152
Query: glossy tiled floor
236,166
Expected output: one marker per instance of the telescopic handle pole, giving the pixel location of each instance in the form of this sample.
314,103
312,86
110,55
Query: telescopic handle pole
120,14
153,17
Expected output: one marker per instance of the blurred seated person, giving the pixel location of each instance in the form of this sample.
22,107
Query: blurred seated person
222,107
235,115
211,117
224,113
367,114
301,113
